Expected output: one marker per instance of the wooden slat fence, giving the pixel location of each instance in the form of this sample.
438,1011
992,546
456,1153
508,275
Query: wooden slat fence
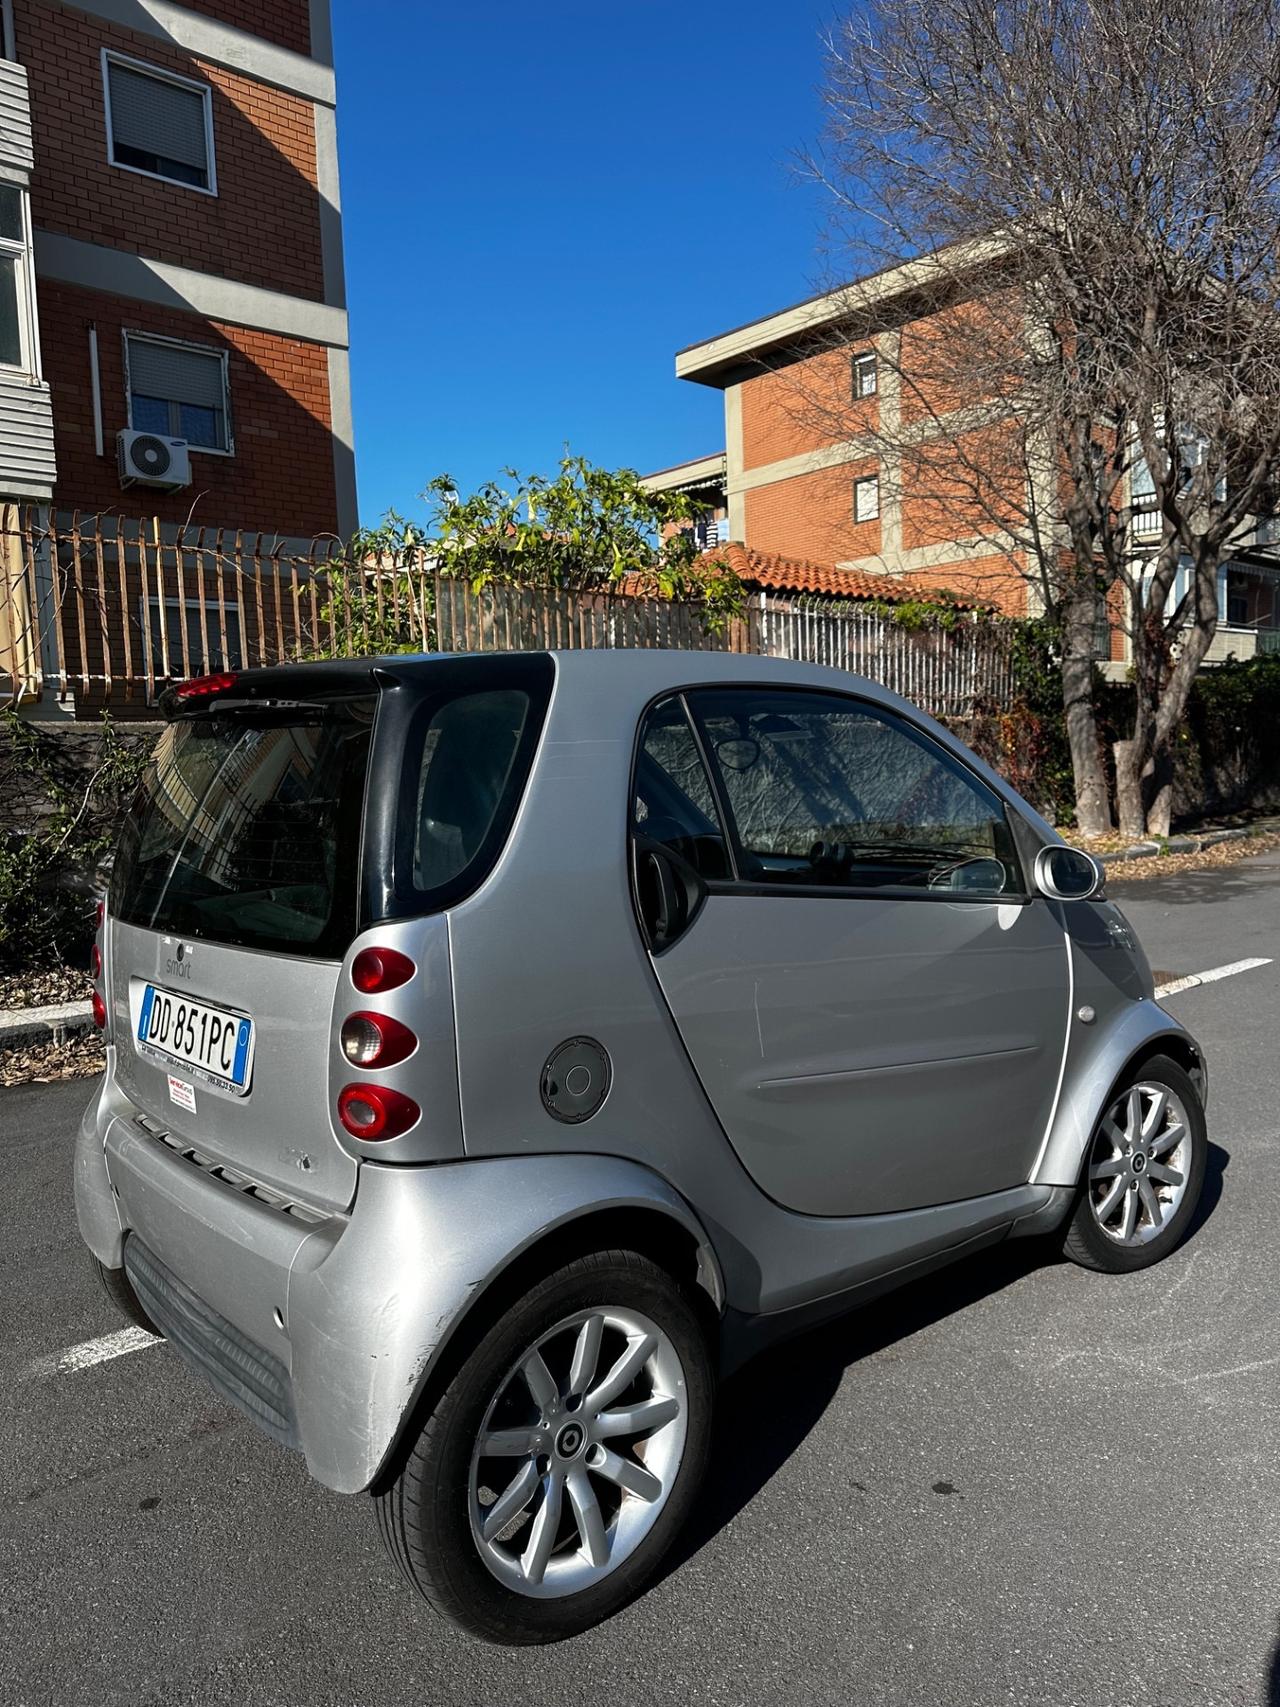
102,612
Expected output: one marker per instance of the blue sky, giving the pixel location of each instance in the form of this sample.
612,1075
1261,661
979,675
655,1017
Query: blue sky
542,204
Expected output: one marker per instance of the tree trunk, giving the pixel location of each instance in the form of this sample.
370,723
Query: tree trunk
1160,792
1171,708
1093,809
1130,806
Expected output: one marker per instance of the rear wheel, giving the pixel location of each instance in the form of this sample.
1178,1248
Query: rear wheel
1143,1172
115,1283
562,1459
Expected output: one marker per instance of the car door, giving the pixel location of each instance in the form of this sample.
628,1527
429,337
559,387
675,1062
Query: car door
873,998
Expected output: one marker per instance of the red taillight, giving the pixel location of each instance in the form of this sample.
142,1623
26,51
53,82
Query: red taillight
95,961
377,969
99,914
375,1111
201,686
376,1040
99,1012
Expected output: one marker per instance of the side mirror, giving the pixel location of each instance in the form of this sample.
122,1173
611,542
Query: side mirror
1067,874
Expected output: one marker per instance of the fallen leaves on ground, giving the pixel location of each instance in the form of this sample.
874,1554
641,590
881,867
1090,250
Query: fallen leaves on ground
1169,865
45,987
78,1057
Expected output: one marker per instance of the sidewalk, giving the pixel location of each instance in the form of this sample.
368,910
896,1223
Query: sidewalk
1188,842
44,1025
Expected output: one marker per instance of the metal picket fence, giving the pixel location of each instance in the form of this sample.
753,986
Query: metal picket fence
101,612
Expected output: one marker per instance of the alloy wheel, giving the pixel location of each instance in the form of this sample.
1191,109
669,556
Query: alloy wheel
578,1452
1139,1164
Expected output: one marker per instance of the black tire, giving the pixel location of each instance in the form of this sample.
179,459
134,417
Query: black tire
1085,1242
115,1283
423,1515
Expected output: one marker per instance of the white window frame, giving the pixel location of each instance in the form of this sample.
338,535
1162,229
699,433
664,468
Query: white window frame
200,349
205,92
21,250
1225,615
861,362
860,485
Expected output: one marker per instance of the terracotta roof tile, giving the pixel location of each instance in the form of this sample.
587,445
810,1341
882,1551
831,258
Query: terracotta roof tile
778,574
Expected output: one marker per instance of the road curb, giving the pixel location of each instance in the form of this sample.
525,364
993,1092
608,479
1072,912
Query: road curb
1173,845
44,1025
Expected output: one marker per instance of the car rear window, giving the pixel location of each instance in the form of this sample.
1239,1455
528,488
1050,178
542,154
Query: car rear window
247,829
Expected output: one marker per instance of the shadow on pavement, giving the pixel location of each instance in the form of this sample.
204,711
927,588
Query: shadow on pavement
766,1411
1217,1161
1273,1679
1210,883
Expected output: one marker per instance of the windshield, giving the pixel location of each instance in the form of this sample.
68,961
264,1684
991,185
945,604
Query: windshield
247,829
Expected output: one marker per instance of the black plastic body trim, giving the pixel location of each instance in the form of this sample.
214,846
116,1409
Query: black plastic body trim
243,1373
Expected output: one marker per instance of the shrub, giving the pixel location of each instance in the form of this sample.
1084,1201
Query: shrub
62,794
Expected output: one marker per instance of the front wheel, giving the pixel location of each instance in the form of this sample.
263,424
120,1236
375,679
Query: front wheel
1143,1172
561,1461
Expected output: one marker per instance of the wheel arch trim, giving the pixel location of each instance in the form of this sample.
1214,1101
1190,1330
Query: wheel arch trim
483,1224
1138,1032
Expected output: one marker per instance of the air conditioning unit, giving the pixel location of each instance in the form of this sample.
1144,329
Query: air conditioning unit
146,459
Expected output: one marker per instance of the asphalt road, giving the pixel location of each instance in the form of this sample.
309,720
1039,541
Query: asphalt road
1010,1483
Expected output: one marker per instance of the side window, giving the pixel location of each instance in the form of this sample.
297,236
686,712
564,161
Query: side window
468,753
673,802
832,792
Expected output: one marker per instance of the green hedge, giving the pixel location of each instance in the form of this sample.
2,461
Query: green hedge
1227,753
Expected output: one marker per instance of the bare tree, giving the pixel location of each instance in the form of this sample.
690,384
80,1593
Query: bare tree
1086,194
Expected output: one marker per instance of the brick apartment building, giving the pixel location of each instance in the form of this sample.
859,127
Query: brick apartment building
171,264
802,473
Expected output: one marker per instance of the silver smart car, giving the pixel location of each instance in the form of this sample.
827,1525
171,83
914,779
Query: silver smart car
499,1049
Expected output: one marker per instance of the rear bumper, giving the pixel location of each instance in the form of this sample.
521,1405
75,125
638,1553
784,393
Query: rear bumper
325,1332
243,1372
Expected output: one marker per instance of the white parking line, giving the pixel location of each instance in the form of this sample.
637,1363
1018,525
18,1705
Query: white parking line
89,1352
1210,977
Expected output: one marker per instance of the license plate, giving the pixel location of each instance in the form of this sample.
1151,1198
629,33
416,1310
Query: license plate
212,1043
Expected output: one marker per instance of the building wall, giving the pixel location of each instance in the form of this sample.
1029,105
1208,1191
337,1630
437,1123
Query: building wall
993,577
287,23
800,408
811,516
796,440
953,359
262,227
280,477
255,270
962,487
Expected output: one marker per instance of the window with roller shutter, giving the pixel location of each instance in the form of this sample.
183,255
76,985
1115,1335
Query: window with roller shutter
158,123
178,390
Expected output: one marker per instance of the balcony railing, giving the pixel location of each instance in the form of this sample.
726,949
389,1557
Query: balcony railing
1241,643
1146,523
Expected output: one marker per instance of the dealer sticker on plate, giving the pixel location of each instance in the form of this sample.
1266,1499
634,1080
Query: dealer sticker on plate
182,1093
